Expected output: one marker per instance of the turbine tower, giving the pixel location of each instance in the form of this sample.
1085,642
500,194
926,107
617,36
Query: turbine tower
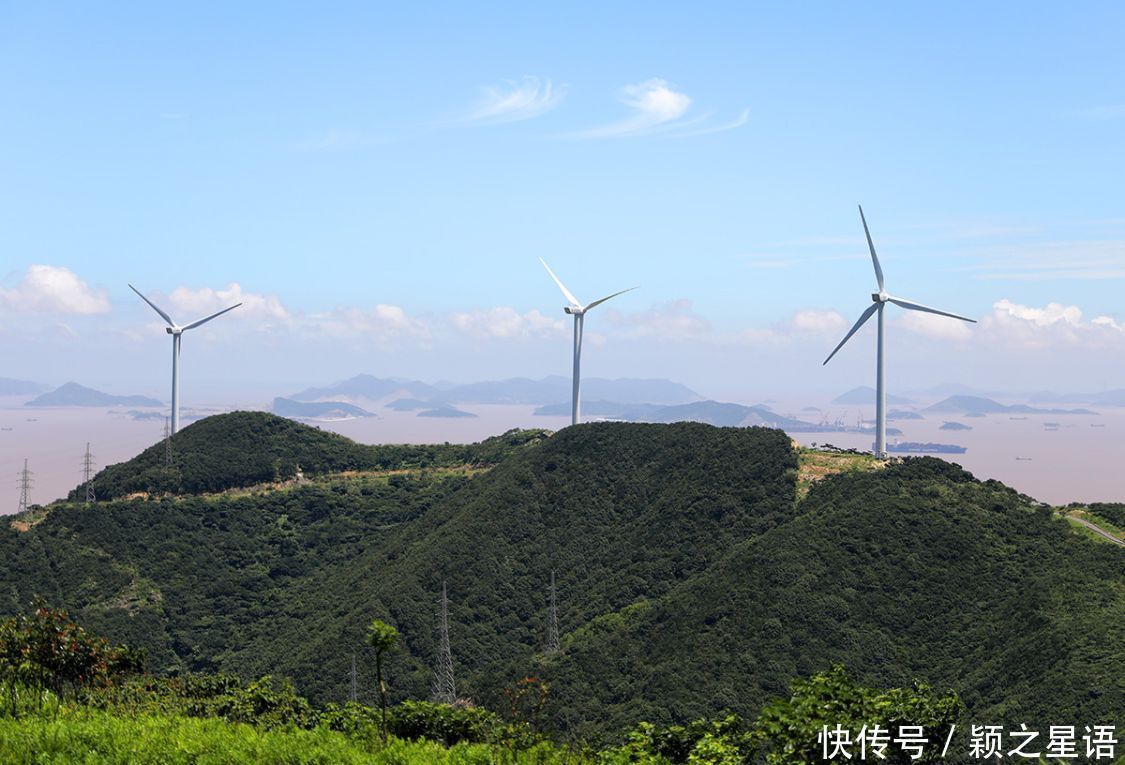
175,331
878,301
578,311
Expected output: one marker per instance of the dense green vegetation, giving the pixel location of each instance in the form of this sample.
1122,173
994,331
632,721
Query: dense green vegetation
692,576
248,448
121,715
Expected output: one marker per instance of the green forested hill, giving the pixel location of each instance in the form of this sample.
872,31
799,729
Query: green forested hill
916,571
690,578
247,448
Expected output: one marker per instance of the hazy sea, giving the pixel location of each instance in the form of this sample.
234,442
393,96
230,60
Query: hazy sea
1075,462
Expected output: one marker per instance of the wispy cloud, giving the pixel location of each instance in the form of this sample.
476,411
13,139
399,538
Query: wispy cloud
654,104
657,106
514,101
743,118
53,289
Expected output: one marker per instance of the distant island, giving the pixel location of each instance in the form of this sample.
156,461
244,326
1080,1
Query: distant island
955,426
865,396
287,407
977,406
515,390
903,414
73,394
445,411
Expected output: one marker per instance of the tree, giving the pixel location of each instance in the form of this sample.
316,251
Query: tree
788,727
382,637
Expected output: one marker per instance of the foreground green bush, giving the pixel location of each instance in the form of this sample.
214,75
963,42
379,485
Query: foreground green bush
93,737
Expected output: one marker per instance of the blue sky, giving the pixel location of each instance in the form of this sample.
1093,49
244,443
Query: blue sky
378,182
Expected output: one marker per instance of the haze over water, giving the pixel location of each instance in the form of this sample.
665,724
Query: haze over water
1076,462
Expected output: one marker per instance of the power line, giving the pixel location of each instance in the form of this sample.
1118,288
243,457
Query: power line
25,484
88,474
444,688
553,645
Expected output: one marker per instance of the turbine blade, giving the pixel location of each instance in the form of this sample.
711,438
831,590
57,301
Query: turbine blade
871,246
602,300
195,324
163,315
916,307
863,317
573,300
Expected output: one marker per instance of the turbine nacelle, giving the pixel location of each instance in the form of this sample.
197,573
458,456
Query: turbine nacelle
880,297
574,310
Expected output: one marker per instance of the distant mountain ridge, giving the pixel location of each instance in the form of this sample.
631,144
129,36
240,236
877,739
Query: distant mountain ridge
73,394
710,412
978,405
11,387
865,395
515,390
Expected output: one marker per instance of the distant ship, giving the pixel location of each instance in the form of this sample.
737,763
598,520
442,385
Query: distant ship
913,447
1023,459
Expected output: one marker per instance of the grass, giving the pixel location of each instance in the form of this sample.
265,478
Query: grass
815,465
93,737
1085,514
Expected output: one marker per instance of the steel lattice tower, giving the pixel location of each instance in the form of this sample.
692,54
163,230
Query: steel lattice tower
445,688
88,474
25,484
553,645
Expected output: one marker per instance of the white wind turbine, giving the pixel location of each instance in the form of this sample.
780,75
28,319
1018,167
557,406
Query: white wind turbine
175,331
577,310
879,300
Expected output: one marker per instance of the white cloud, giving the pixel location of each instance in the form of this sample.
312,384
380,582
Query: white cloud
673,320
54,289
654,103
384,324
504,323
515,101
188,304
1015,325
932,325
817,321
657,107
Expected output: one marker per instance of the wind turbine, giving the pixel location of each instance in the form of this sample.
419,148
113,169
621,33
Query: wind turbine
879,300
175,331
577,310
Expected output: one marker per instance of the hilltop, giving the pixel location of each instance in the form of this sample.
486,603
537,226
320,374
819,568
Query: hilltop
248,448
699,568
